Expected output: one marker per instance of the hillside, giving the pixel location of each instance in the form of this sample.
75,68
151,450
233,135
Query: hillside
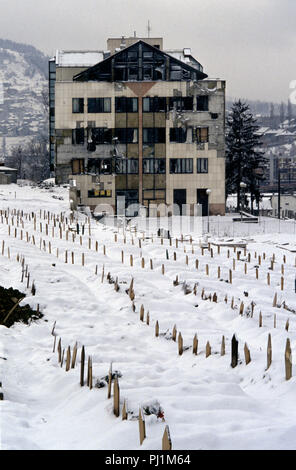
23,74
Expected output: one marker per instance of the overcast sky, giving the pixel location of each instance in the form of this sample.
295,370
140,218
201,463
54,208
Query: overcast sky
251,44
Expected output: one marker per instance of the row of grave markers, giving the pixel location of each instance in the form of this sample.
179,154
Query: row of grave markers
70,363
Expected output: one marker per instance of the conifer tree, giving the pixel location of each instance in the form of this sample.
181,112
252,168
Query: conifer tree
244,159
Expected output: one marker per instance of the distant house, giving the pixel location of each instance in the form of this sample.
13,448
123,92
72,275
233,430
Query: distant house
7,175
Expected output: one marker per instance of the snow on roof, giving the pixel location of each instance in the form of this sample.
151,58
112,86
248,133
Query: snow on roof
78,58
6,168
184,55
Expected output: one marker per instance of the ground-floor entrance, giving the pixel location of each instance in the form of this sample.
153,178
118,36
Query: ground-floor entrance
127,202
203,199
180,200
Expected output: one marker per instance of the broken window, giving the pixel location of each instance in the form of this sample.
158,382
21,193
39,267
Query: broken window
126,135
106,167
93,165
154,135
127,166
181,165
202,135
77,105
154,165
78,136
99,105
181,103
132,56
78,166
178,134
132,73
202,103
202,165
148,55
101,135
126,105
154,104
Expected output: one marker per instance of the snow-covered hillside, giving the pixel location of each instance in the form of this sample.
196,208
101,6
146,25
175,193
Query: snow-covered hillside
23,79
206,403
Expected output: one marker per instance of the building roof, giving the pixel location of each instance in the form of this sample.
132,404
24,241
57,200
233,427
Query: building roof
90,73
78,58
6,168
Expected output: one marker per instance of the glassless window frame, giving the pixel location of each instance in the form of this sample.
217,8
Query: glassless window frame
181,166
202,103
126,105
202,135
128,166
154,166
77,105
98,105
202,165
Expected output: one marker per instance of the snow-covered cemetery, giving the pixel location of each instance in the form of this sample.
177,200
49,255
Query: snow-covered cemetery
147,228
135,334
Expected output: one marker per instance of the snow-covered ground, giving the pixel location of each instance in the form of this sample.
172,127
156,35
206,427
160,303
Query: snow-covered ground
207,404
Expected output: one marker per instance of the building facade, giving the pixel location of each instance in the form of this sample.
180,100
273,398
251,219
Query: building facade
140,123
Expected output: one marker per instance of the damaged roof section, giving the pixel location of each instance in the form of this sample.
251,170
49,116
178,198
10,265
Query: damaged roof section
141,62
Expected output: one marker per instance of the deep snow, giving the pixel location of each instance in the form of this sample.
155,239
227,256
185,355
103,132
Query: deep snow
206,403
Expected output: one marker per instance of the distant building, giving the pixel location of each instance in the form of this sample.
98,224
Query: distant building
7,175
288,205
139,122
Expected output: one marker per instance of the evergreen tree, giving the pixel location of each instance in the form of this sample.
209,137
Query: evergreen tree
271,115
244,159
289,111
282,112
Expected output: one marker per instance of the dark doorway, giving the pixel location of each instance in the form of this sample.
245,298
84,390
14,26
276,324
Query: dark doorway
203,199
130,203
180,199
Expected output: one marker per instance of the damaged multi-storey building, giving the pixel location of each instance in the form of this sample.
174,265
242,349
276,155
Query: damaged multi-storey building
140,122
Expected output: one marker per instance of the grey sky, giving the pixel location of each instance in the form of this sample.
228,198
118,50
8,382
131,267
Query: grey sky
251,44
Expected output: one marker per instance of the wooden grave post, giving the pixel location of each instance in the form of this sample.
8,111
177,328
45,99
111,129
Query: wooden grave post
142,428
82,360
288,360
180,344
234,351
166,439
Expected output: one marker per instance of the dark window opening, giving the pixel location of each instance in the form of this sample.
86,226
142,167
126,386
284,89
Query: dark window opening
178,134
133,73
202,103
154,135
99,105
100,135
78,136
126,105
127,135
77,105
132,56
154,104
214,115
181,103
181,165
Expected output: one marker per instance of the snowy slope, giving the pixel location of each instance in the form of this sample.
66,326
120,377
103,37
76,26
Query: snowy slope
22,78
207,404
